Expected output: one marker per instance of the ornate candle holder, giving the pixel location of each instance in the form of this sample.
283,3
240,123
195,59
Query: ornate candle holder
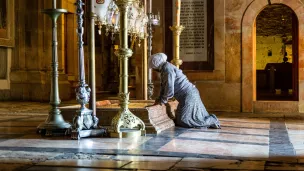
84,119
124,121
54,124
177,30
154,20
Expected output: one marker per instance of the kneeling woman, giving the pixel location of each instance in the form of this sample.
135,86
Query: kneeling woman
191,112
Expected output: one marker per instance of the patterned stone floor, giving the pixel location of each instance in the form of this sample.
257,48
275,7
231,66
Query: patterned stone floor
243,143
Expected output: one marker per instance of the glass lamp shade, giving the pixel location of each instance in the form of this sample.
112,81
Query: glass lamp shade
111,11
115,21
140,25
133,13
101,9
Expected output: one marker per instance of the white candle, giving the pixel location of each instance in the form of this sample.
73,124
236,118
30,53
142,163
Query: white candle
150,6
177,6
54,4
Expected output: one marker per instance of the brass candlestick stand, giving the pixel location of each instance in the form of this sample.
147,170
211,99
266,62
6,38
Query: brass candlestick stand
177,30
124,122
85,120
153,21
54,123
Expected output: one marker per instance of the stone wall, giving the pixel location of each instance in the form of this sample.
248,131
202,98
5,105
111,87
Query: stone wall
231,85
30,70
224,81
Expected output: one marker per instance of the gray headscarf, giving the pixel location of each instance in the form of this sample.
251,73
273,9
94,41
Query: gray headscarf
156,60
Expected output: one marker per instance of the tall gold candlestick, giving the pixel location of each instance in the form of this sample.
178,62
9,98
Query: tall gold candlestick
125,123
177,30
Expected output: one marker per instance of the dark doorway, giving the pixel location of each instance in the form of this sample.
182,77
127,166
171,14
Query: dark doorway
277,54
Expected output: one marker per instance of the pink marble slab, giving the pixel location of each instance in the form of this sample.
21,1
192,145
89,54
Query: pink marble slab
226,137
239,131
295,132
295,127
249,120
220,164
216,148
244,125
294,122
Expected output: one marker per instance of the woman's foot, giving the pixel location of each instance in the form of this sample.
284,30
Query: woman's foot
216,124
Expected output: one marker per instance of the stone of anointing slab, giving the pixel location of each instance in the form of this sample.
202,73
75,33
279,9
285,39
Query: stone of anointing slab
155,117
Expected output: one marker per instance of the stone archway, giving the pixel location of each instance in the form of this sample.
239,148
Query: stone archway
248,51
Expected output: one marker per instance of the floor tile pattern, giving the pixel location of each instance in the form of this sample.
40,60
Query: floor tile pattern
243,143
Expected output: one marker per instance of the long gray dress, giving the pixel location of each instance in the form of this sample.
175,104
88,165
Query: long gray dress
191,111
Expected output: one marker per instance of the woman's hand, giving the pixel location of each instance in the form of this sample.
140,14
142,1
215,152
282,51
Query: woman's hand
157,102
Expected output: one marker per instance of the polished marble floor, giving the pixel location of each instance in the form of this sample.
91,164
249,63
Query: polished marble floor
245,142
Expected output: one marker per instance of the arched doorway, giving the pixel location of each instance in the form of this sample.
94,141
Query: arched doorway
276,54
248,57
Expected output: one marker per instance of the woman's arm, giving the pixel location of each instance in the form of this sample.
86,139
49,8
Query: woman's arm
167,86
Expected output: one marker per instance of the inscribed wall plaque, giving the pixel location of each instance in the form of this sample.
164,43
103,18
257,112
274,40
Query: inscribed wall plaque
196,40
192,40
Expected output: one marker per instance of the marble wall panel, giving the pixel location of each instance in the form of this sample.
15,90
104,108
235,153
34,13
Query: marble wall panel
216,75
293,4
233,63
301,95
301,59
275,106
232,24
299,12
220,96
219,35
276,1
236,7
